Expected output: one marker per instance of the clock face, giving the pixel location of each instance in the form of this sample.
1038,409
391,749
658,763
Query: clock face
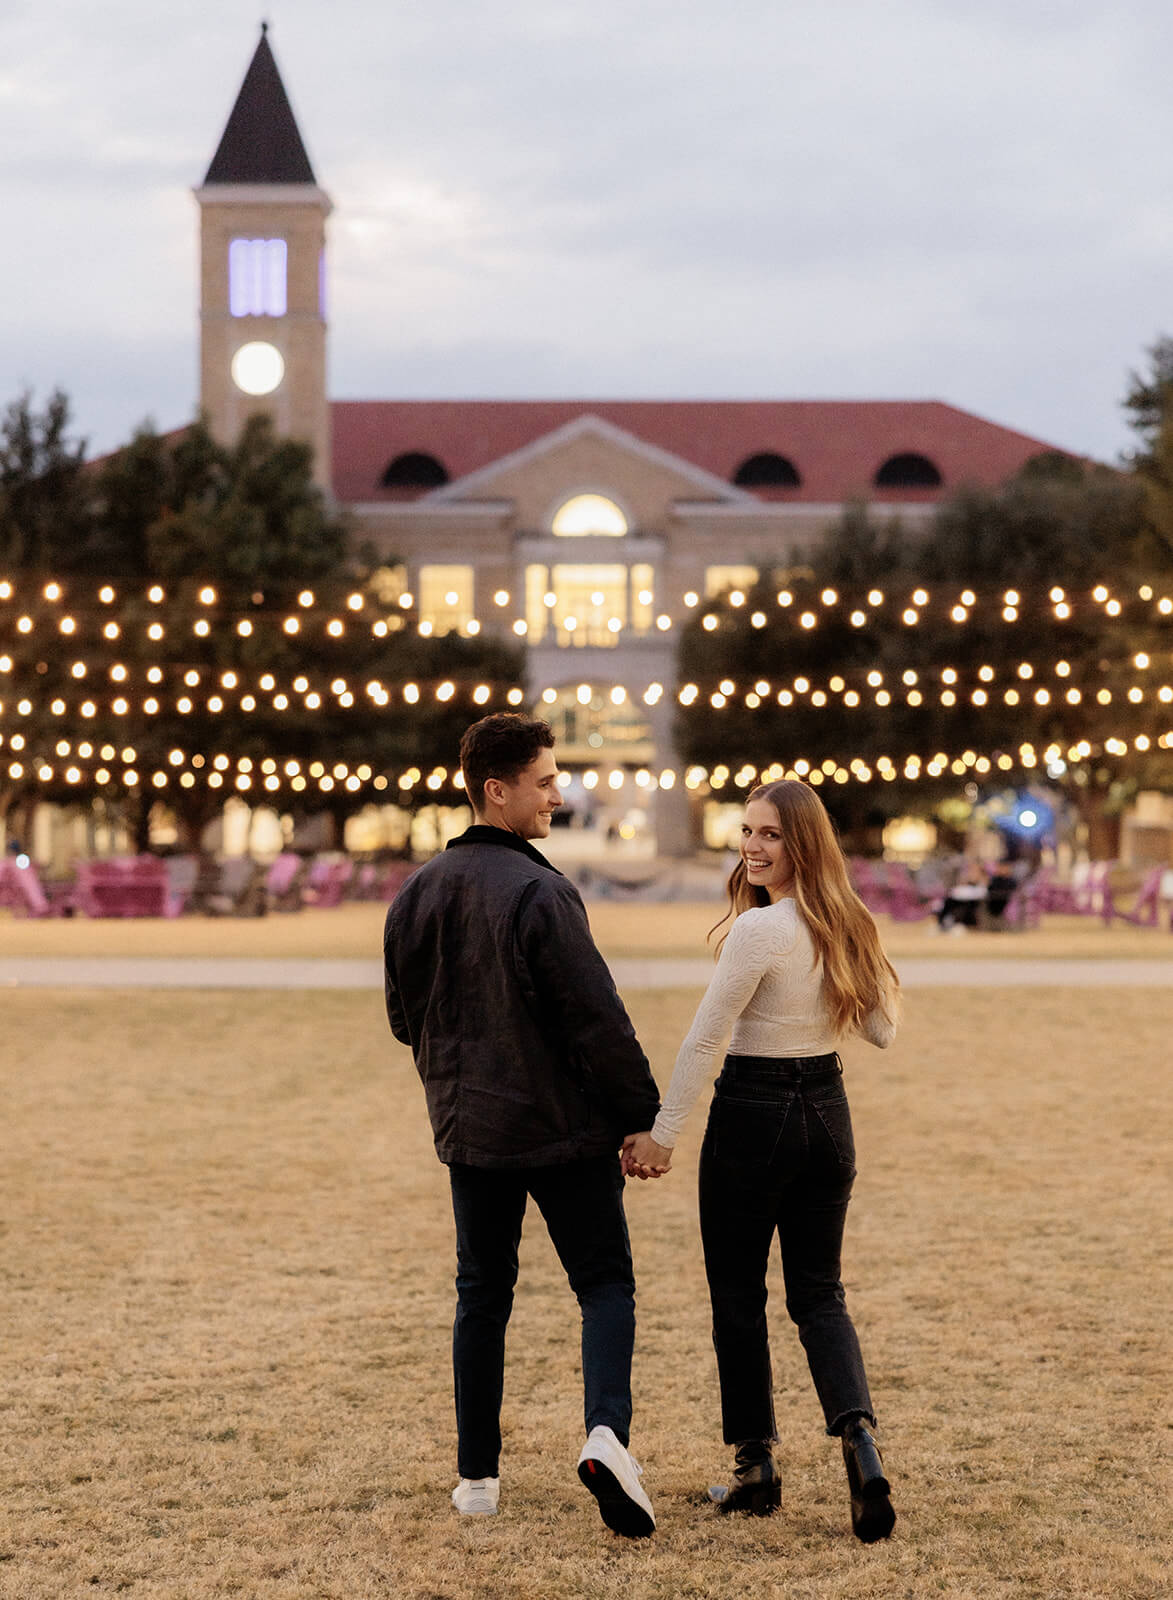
257,367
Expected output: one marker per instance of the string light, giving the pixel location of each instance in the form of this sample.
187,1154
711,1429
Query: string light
1059,598
839,684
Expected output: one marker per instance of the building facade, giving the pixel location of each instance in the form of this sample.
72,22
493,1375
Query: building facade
587,530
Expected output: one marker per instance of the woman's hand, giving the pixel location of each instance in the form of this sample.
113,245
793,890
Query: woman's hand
642,1157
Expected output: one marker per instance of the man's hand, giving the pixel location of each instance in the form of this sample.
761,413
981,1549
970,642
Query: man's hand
642,1157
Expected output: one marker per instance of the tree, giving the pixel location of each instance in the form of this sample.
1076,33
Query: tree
235,629
858,551
46,519
981,642
250,514
1149,403
1059,520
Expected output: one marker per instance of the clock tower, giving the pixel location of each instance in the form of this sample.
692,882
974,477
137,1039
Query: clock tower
262,272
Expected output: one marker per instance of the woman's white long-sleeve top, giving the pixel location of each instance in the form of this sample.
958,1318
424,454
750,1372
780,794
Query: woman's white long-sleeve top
768,988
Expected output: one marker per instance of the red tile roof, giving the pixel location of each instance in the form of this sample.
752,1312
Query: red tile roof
836,445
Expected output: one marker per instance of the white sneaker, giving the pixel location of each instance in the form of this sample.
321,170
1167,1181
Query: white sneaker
612,1476
477,1497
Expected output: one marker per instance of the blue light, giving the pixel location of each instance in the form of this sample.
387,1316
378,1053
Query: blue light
1030,818
23,861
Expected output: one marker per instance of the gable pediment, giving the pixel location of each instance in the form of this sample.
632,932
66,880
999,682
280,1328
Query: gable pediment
589,455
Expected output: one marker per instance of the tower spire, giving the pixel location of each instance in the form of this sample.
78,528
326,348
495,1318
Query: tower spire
261,142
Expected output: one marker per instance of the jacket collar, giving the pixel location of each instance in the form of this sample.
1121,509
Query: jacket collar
485,833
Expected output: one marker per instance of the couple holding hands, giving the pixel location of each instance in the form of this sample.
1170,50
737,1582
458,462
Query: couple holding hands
534,1080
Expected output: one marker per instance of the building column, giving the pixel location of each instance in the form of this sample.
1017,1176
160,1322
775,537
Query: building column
675,835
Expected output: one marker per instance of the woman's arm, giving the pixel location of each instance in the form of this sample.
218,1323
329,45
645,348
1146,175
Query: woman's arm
745,957
878,1027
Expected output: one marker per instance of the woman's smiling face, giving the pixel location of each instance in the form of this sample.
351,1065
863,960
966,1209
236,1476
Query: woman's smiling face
767,865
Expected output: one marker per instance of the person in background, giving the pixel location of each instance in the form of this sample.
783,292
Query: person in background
533,1075
800,968
963,903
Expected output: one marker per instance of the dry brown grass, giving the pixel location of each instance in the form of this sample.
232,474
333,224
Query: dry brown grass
228,1265
355,931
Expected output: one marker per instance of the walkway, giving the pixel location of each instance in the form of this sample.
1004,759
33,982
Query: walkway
125,972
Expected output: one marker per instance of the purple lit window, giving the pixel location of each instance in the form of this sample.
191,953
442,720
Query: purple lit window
256,277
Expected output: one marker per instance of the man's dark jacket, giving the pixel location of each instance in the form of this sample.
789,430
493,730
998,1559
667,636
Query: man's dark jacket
526,1053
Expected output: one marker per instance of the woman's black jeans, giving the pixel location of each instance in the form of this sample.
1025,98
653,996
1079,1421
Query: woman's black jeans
778,1156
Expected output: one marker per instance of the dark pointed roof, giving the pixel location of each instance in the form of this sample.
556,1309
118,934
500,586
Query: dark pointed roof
261,143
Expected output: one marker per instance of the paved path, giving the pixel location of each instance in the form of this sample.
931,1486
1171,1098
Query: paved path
174,972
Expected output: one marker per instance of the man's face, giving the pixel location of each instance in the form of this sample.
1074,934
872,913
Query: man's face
531,799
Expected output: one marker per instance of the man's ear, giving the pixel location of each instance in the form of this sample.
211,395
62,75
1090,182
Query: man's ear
495,791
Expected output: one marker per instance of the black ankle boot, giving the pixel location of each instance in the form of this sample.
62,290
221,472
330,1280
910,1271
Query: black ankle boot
872,1516
755,1486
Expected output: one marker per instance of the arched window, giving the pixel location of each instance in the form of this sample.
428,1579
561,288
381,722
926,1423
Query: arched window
908,471
414,470
586,514
767,470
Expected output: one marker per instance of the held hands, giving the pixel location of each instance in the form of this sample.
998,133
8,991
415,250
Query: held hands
642,1157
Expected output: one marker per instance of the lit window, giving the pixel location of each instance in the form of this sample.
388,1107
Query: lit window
446,598
718,579
596,728
587,514
642,598
256,277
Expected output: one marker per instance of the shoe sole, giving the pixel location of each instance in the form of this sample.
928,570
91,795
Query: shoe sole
762,1500
618,1510
872,1516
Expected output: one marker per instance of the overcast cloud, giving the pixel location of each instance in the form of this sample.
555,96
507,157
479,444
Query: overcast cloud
826,198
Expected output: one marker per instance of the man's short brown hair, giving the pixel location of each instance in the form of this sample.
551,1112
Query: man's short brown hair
500,746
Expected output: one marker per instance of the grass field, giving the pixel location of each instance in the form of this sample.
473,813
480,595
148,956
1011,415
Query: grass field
227,1257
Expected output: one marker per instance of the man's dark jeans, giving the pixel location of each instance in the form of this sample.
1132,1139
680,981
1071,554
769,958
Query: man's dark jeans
778,1156
582,1205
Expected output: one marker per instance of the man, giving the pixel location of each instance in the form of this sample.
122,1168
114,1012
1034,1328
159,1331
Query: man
533,1077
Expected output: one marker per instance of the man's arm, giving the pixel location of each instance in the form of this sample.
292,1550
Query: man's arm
577,992
396,1015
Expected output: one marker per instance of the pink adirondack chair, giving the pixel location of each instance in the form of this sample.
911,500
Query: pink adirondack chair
867,884
283,882
1025,906
20,889
905,901
395,875
182,876
327,881
1088,886
1049,894
123,888
1145,913
368,881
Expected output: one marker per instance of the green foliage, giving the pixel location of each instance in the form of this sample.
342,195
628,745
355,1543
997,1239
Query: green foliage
858,551
1061,522
187,514
46,517
248,515
1147,400
1058,521
1149,403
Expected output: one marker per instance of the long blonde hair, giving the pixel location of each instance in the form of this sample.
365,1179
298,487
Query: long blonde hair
857,975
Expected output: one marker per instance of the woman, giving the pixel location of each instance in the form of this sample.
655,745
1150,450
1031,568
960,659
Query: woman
800,967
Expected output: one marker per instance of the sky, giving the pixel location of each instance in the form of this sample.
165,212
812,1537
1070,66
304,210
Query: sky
734,199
